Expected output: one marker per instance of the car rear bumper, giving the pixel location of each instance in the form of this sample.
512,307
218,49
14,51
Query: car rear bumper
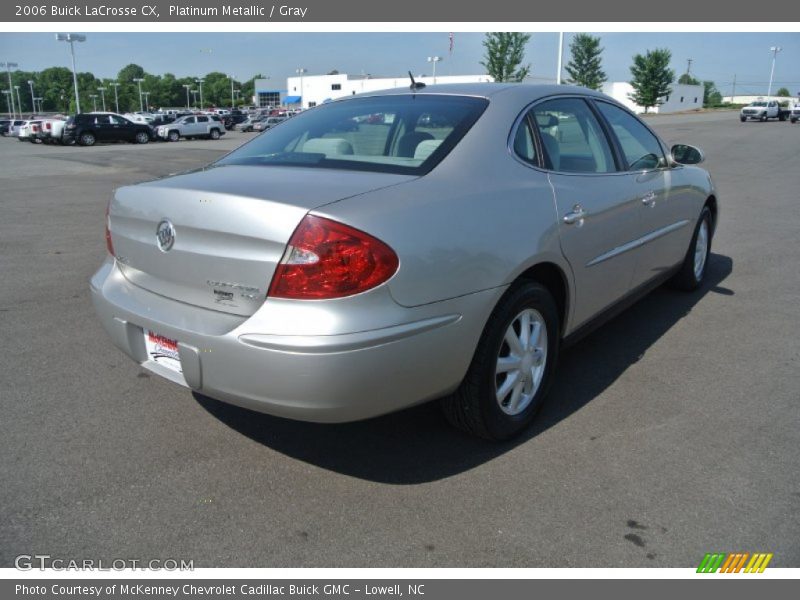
324,378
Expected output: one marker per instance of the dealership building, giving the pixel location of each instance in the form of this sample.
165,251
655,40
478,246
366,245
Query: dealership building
683,97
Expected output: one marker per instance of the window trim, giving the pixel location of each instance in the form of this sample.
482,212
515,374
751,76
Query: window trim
587,99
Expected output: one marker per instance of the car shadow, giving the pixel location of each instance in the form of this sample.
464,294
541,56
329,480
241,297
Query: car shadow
417,445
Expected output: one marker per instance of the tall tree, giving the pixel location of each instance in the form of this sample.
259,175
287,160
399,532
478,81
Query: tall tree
687,79
585,66
783,92
651,77
711,95
505,52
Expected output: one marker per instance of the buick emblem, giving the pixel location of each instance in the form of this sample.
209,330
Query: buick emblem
165,235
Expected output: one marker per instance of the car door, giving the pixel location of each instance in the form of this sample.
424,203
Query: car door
119,128
201,128
665,208
188,126
597,211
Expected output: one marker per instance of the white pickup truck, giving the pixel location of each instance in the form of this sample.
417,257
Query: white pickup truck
795,115
763,110
192,126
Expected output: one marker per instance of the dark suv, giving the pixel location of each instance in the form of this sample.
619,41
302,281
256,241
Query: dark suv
88,128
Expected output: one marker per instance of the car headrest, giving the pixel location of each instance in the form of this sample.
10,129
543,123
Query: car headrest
328,146
409,142
426,148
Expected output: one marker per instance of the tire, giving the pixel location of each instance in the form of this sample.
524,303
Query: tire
474,407
141,137
743,119
763,118
695,263
781,116
793,120
173,136
87,139
214,134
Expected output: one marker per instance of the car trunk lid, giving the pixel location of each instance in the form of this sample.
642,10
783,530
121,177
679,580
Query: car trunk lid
213,237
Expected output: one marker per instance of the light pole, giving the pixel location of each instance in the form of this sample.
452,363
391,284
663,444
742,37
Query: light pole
116,95
187,87
146,100
434,60
19,102
102,91
33,96
300,72
200,84
194,98
560,56
8,102
233,100
774,50
39,101
139,80
72,38
8,66
94,102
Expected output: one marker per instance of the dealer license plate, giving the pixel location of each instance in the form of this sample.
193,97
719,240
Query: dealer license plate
162,350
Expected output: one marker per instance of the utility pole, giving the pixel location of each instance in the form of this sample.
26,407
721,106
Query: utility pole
774,50
689,62
8,67
733,94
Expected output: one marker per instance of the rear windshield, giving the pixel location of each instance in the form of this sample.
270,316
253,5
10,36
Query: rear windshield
406,134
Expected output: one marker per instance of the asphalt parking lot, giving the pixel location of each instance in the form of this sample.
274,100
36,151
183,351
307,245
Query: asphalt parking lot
672,431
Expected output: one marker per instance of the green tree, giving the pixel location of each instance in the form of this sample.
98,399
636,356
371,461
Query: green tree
687,79
505,52
585,66
783,92
711,95
651,77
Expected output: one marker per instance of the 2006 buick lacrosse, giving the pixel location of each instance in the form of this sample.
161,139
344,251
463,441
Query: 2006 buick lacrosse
402,246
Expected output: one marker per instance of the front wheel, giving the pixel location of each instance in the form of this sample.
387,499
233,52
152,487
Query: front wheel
693,270
743,119
173,136
142,137
763,118
512,369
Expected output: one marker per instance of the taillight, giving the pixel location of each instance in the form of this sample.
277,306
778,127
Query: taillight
109,243
326,259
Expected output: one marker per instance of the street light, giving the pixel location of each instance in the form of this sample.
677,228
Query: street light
8,102
19,102
139,81
116,96
94,101
187,87
33,96
71,38
200,83
774,50
434,60
146,101
39,100
8,66
300,72
102,91
194,98
233,101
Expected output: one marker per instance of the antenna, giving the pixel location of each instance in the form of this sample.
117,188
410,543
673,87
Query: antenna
414,84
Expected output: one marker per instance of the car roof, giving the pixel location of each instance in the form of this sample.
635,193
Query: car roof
529,91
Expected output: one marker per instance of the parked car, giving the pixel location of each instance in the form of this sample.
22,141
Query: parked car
246,125
193,126
29,131
332,276
795,114
268,123
5,124
230,121
88,128
51,131
16,126
763,110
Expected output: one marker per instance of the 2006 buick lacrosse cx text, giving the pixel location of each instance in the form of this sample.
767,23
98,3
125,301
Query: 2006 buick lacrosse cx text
387,249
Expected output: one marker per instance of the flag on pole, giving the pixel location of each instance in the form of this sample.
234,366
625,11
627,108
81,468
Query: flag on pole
452,42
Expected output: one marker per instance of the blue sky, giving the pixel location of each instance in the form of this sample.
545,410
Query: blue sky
717,56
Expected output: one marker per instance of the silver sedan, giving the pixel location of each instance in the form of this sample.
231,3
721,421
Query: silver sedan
393,248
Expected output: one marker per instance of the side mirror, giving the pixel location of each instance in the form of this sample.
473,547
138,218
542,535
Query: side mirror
685,154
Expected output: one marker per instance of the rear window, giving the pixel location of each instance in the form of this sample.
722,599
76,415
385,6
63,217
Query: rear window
406,134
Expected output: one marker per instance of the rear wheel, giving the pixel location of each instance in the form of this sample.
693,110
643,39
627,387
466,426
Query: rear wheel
693,270
142,137
512,368
87,139
214,135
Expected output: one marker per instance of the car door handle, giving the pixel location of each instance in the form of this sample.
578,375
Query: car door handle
576,216
649,199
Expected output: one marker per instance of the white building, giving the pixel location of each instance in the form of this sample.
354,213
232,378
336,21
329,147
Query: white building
683,97
311,90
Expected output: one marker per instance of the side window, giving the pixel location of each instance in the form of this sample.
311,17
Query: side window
523,142
202,119
572,139
640,147
190,120
102,120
